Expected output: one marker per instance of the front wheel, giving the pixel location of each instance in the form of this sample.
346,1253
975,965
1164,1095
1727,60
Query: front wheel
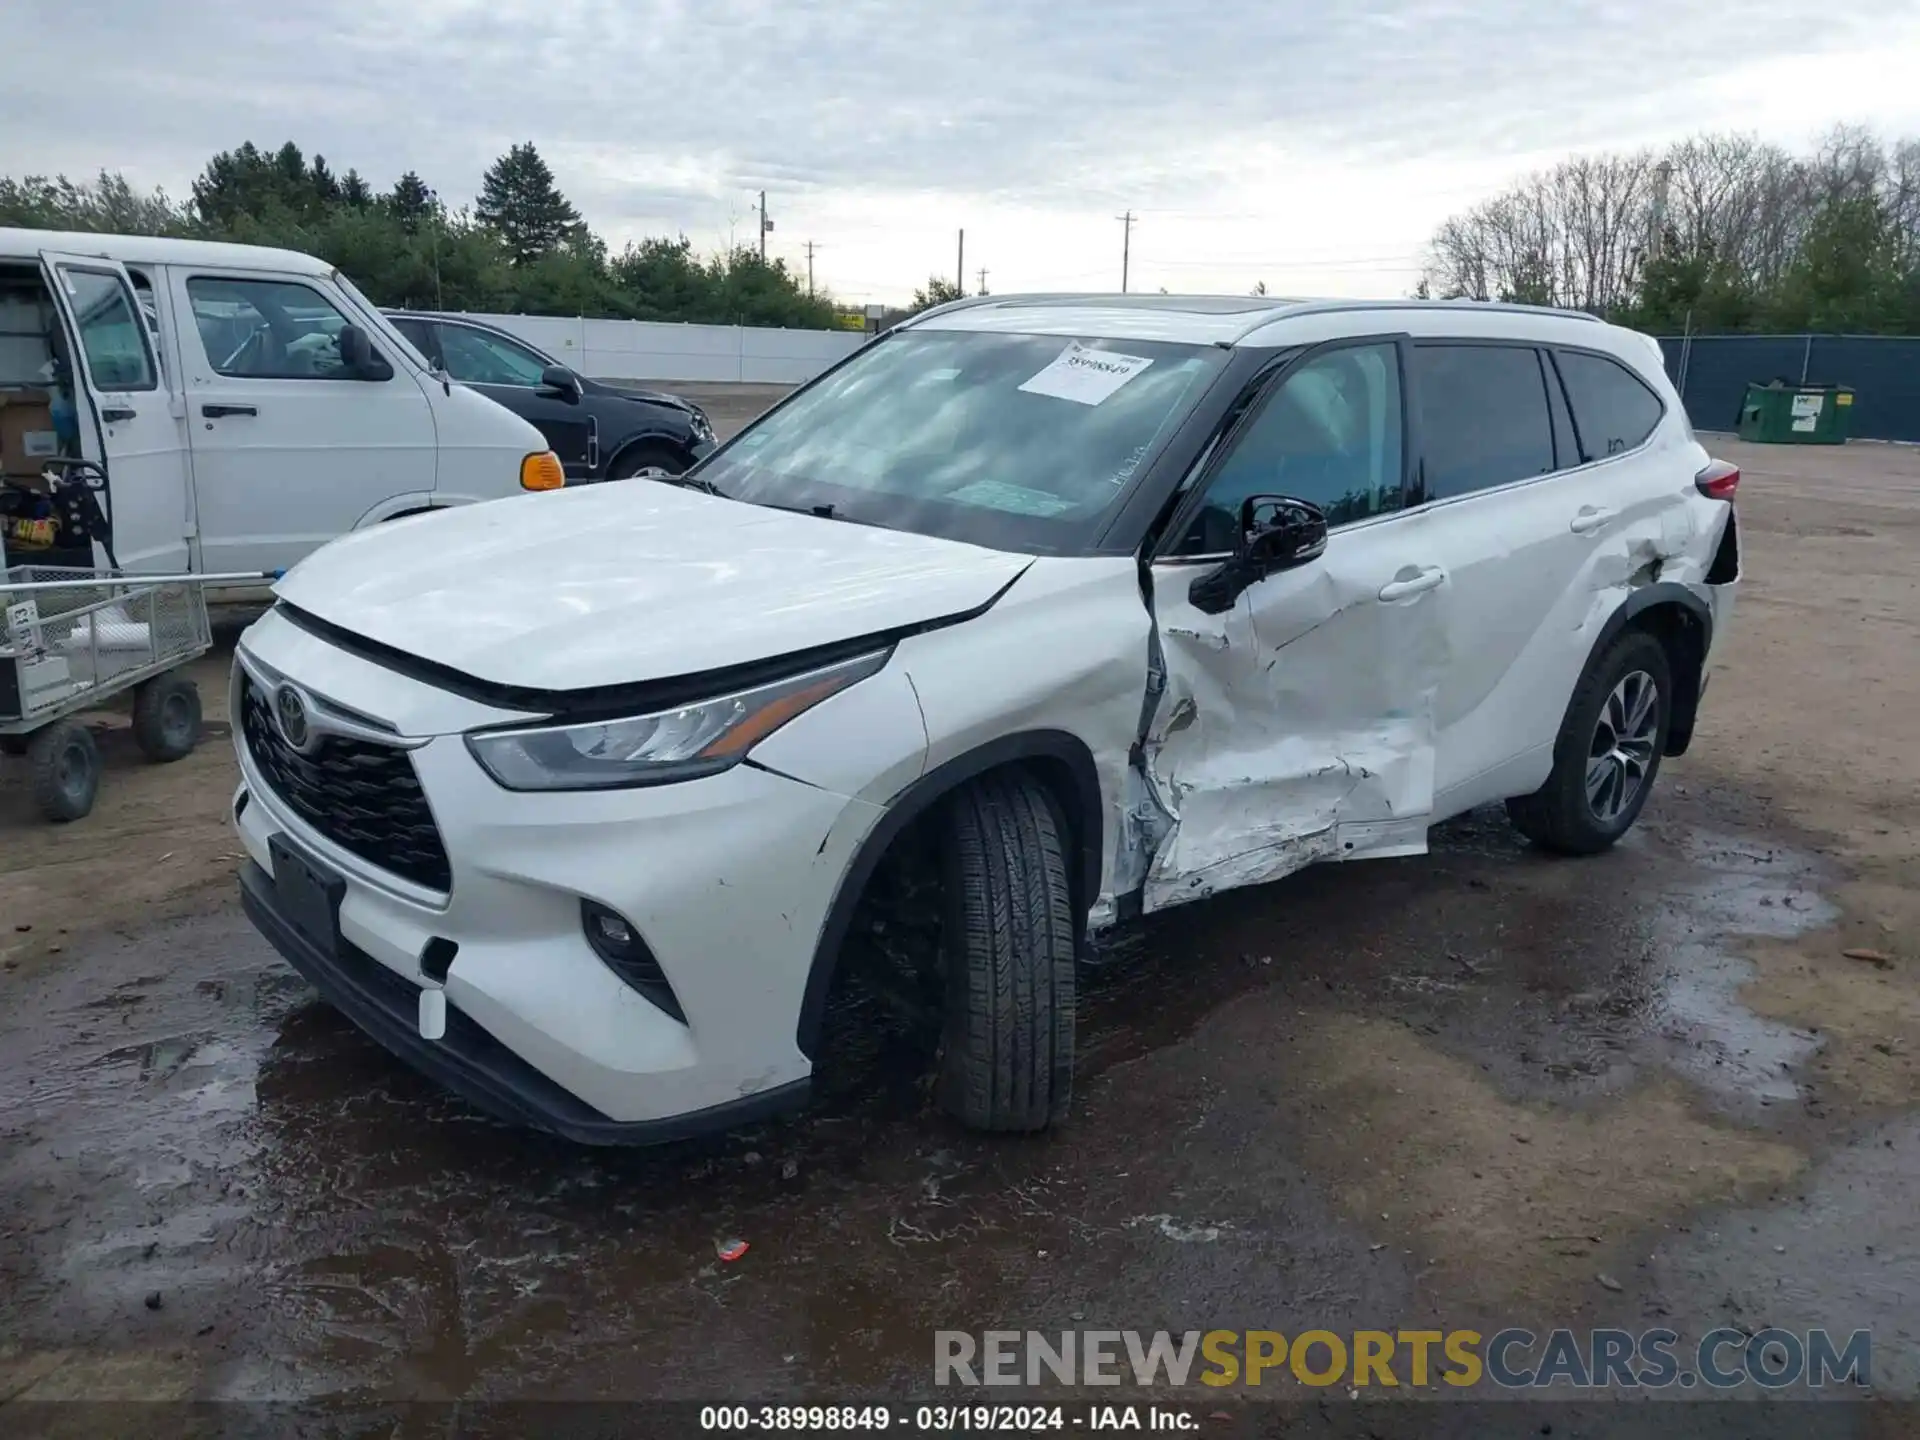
1607,753
630,463
1006,1050
65,765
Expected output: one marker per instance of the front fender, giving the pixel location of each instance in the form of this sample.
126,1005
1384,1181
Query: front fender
394,506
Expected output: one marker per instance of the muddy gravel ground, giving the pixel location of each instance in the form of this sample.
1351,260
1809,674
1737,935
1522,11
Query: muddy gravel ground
1475,1089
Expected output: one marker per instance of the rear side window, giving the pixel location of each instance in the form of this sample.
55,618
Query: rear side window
1484,417
1613,409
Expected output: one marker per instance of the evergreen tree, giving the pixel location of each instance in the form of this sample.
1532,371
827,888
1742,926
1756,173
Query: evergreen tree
411,202
519,201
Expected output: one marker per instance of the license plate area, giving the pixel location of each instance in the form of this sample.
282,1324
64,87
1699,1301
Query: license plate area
309,894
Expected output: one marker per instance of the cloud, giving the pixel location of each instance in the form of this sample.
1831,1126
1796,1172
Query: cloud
906,113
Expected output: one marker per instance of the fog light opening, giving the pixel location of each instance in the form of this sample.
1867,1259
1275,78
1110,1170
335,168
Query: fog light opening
619,946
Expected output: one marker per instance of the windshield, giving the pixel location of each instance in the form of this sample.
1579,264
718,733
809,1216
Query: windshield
1019,442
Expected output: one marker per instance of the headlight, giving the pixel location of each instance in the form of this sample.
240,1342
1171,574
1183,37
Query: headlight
702,427
678,744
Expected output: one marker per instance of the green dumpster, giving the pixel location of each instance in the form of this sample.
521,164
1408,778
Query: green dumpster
1780,414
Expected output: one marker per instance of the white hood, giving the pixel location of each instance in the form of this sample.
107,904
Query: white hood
631,581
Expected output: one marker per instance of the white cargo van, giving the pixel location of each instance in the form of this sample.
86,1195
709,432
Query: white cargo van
247,405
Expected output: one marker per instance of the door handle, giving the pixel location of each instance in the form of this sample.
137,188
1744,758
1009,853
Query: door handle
214,412
116,415
1589,520
1428,579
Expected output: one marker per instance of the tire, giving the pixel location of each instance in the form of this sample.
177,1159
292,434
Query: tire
65,767
13,744
1006,1047
631,462
1603,720
166,718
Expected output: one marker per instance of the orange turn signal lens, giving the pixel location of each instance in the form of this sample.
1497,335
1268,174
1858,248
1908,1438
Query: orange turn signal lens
542,472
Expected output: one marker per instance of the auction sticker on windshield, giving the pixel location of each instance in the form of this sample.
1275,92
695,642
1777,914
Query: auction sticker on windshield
1084,375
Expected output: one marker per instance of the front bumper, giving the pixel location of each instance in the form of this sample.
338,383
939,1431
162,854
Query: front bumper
727,879
467,1060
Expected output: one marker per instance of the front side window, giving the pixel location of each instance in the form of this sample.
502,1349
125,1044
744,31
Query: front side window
474,357
1613,409
113,335
1019,442
268,329
1484,417
1330,435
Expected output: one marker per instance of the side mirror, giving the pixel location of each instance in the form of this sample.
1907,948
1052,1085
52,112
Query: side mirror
558,380
1277,532
358,357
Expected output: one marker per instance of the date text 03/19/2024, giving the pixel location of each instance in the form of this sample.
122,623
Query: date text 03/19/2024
943,1419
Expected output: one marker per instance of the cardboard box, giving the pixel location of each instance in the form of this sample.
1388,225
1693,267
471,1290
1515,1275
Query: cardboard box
27,436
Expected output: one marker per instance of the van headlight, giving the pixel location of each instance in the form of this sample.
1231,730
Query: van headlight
701,738
702,427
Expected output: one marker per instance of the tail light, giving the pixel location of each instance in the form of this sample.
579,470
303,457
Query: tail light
1718,481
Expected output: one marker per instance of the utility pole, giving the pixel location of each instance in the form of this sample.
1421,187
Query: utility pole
765,226
810,249
1657,242
983,279
1126,247
960,267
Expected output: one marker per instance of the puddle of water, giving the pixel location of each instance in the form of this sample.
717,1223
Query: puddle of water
1710,1037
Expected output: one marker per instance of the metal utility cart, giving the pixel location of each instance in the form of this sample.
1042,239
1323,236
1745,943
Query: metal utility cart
74,639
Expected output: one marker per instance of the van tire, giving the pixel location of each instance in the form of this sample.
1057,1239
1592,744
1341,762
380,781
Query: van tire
166,718
64,765
1559,815
1006,1048
635,458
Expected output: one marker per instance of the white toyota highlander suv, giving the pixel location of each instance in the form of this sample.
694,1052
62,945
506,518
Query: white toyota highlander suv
1063,609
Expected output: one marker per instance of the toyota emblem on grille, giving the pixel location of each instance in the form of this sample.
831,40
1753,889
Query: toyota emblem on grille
290,713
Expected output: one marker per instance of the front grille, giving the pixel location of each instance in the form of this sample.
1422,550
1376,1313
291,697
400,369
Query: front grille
364,797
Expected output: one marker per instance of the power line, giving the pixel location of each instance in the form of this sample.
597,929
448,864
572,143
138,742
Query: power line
1126,247
811,247
983,280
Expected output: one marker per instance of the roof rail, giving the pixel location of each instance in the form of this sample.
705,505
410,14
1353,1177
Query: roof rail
965,302
1497,307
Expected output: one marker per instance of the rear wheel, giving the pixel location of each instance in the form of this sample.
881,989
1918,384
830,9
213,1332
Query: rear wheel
65,767
1608,751
1006,1053
630,463
166,718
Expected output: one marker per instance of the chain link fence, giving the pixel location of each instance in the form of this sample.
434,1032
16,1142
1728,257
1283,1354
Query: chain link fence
1712,373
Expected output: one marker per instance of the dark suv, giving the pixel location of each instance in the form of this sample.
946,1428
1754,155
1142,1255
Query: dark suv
600,431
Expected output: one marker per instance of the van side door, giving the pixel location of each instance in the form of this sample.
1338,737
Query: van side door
121,388
291,446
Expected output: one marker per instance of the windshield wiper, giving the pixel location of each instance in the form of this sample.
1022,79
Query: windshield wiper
685,482
821,511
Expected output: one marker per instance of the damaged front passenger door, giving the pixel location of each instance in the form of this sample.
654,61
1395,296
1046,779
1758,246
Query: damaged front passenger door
1297,671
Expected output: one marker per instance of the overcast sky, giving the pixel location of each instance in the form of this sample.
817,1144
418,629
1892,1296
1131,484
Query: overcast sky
1312,146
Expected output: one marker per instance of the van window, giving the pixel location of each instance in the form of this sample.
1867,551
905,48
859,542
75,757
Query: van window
1330,435
1484,418
1613,409
267,329
113,336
